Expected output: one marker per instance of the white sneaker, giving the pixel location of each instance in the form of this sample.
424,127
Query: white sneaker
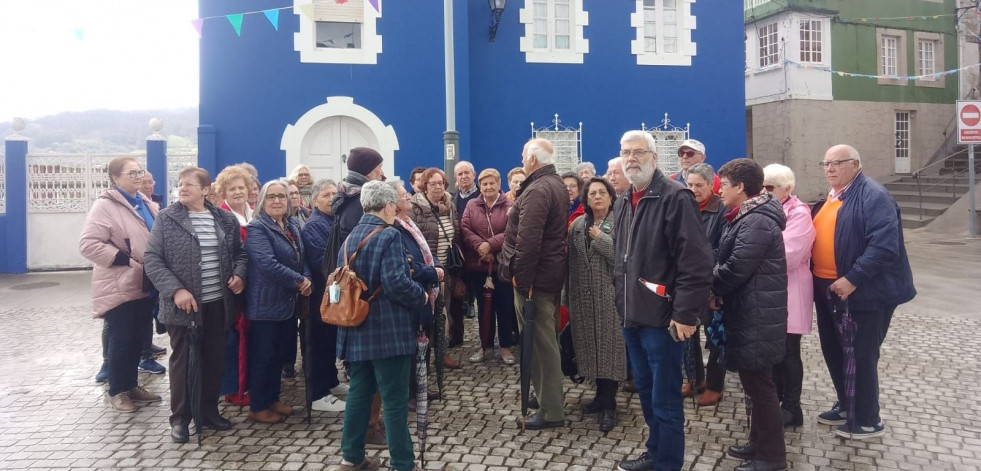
328,403
339,390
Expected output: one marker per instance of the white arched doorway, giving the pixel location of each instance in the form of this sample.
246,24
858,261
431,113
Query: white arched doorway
323,136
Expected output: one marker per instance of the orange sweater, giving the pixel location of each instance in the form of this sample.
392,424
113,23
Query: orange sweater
823,253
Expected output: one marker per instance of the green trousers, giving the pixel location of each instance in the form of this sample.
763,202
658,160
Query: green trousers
387,376
546,365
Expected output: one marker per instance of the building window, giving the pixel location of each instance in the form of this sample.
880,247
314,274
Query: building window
337,32
902,130
891,54
554,31
929,59
926,58
663,32
768,45
811,41
890,44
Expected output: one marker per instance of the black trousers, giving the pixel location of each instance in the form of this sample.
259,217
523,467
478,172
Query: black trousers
212,359
716,379
871,332
323,351
788,375
455,308
606,393
301,325
268,341
502,306
766,421
128,325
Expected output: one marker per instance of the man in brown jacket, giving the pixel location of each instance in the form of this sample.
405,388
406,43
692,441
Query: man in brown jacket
533,257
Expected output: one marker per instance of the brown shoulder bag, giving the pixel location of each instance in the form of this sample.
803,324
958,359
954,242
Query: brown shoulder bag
343,304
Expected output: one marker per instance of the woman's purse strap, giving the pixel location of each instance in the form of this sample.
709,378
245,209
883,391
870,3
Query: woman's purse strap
371,234
440,222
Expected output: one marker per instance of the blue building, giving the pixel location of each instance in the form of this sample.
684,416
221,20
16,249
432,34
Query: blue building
337,74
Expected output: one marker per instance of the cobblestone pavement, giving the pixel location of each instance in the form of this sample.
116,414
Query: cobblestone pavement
53,416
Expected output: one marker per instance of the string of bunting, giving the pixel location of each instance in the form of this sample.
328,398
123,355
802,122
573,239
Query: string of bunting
271,14
895,18
840,73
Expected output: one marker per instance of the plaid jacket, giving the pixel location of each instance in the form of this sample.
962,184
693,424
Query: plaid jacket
389,330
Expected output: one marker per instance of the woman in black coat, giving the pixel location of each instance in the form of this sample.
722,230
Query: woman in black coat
750,287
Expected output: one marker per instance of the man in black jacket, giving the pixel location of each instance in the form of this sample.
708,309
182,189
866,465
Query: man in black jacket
662,274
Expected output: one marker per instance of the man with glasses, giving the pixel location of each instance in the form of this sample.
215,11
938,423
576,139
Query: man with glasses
860,267
690,153
662,273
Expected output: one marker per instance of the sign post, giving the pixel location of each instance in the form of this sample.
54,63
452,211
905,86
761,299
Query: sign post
969,132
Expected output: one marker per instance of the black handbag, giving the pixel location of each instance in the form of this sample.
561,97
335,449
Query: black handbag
454,256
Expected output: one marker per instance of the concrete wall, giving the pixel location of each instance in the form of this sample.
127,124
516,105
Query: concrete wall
797,133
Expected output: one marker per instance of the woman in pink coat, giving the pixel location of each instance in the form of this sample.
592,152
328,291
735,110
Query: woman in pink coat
114,237
798,237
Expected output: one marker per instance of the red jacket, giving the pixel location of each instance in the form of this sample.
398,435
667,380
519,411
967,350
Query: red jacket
482,224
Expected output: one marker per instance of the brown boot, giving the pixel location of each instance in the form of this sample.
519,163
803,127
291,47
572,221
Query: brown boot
281,409
450,363
121,402
267,416
687,392
709,398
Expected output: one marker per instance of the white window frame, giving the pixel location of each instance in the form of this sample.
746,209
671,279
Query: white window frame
578,44
937,39
685,23
926,58
890,55
768,54
305,41
898,67
902,134
812,51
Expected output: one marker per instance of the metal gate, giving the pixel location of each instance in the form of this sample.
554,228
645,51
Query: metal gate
668,138
566,142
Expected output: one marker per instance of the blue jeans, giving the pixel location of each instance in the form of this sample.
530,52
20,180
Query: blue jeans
656,360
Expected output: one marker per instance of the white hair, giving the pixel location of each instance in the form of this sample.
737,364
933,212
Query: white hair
376,194
542,155
296,171
260,205
851,151
638,135
456,167
585,165
614,162
779,175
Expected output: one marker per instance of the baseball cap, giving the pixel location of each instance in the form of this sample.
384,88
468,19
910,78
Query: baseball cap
693,145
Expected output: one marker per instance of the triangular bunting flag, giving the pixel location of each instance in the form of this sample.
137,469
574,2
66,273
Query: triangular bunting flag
374,4
79,34
340,2
236,21
273,17
308,10
197,24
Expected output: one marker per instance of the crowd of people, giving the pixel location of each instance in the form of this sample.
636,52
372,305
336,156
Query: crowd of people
643,263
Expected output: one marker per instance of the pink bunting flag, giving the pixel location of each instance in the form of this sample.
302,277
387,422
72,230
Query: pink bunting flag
236,21
197,24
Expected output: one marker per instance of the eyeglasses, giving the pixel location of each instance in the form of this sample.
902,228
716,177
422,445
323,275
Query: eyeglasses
834,163
686,153
276,196
439,183
294,193
637,153
572,187
136,173
769,187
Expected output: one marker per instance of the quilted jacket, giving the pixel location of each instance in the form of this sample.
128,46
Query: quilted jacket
276,269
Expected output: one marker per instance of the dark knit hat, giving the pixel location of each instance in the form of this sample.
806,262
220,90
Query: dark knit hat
363,160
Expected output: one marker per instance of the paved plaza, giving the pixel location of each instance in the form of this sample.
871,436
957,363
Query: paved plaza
54,416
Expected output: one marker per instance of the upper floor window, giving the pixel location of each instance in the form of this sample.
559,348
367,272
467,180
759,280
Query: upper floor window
663,32
338,32
929,59
768,45
926,53
811,41
890,55
554,31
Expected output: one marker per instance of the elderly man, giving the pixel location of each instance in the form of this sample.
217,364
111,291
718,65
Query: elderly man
586,170
692,152
860,266
614,173
466,189
533,258
662,274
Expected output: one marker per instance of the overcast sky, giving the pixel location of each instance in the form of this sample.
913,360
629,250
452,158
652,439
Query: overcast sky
72,55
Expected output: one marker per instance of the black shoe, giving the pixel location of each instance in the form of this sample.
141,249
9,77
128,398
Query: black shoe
756,465
644,463
433,395
533,403
217,422
745,452
179,433
792,418
289,372
537,422
157,351
608,420
629,386
592,407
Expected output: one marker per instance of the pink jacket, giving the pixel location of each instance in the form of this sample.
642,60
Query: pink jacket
110,223
798,238
482,224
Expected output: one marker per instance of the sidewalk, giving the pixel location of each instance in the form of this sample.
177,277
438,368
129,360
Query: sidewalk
53,415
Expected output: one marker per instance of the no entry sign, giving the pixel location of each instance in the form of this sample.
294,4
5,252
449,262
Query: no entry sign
969,122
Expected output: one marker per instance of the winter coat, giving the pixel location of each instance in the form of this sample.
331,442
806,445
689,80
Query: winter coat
589,294
276,269
347,205
113,230
869,247
714,221
422,215
533,255
751,279
482,224
173,260
662,242
460,202
798,239
315,235
421,273
389,330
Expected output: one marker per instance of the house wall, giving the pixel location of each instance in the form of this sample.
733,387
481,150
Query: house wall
781,82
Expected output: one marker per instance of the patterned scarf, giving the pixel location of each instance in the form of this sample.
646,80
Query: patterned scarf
427,255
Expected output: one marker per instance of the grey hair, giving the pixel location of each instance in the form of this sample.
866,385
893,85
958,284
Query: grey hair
542,151
375,195
703,170
779,175
465,164
851,151
638,135
396,184
260,203
585,165
613,163
320,184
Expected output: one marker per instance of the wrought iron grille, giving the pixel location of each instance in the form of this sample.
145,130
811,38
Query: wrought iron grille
176,162
668,139
566,141
67,183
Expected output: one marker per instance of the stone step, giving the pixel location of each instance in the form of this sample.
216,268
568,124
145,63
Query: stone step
914,222
914,209
954,188
932,179
928,197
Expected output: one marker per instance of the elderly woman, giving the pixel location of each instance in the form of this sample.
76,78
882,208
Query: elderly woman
304,183
114,239
713,214
379,351
300,212
325,390
235,187
585,171
798,238
197,262
573,185
590,296
483,226
254,192
279,280
515,177
750,286
435,214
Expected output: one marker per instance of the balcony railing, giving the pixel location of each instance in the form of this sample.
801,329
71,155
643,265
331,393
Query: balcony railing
748,4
